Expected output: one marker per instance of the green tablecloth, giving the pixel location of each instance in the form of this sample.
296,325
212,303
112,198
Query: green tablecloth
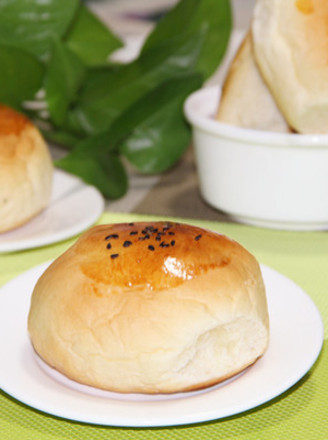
300,413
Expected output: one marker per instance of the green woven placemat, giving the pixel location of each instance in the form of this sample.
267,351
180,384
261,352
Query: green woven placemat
300,413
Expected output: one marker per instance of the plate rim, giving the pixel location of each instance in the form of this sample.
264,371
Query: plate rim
60,235
186,419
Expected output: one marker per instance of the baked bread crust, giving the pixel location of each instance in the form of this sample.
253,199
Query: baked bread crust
26,170
291,50
154,307
246,100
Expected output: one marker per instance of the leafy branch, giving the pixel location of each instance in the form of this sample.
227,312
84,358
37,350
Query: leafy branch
101,111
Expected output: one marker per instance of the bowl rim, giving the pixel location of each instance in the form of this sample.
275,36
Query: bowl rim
200,107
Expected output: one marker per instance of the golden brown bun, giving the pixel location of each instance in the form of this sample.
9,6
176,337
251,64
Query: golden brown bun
25,170
246,100
291,50
169,307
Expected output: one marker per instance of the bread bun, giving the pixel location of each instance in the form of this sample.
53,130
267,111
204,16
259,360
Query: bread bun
25,170
150,308
291,50
246,101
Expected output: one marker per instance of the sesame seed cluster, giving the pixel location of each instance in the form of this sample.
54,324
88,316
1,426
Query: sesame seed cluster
156,236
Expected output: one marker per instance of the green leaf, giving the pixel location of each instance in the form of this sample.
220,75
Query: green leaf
62,138
152,134
172,49
213,17
31,24
65,74
98,80
113,93
90,39
20,76
160,134
103,169
96,162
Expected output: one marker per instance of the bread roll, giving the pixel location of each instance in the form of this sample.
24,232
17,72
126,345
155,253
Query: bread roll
25,170
150,308
246,100
291,50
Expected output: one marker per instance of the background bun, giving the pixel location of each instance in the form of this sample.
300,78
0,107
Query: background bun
291,50
150,308
246,100
25,170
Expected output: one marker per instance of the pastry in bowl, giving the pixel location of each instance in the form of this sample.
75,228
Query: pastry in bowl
246,100
290,47
26,170
155,307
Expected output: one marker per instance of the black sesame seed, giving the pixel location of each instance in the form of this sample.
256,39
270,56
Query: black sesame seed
145,237
172,242
150,229
171,233
164,245
133,232
198,237
158,238
151,247
111,236
127,243
108,246
114,256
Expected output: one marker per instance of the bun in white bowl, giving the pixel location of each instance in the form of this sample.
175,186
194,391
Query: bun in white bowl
291,47
26,170
150,308
262,178
246,100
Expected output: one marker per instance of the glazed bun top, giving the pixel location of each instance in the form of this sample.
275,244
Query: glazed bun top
152,256
11,122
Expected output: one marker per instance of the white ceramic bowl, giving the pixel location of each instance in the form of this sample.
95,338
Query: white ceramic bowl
266,179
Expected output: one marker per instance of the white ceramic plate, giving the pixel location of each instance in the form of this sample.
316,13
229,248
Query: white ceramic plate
73,208
296,340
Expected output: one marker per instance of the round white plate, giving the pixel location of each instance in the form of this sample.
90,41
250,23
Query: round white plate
296,340
74,206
